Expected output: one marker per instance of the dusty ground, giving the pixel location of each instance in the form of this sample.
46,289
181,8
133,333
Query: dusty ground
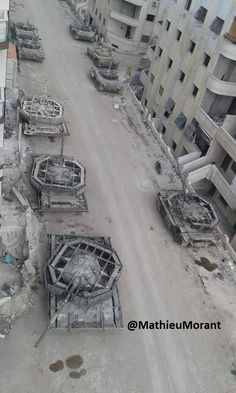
159,280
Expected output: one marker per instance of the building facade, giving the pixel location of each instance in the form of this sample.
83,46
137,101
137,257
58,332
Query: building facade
4,24
127,25
190,92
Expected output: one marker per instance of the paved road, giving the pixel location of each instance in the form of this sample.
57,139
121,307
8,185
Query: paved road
154,284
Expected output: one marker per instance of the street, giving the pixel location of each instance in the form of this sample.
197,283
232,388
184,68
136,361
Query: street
154,284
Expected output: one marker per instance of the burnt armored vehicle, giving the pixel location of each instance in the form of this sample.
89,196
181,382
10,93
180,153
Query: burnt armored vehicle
102,57
25,30
81,282
106,80
190,218
60,183
82,32
30,49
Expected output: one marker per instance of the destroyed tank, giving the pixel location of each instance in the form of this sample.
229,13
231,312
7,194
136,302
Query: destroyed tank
102,57
25,30
82,32
31,50
190,218
106,80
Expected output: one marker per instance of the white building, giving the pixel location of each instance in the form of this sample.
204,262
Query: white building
4,15
127,25
190,91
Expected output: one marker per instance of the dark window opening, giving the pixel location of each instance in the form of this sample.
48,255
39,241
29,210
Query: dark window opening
180,121
170,62
226,162
181,76
100,16
96,11
161,90
223,201
160,22
169,107
212,190
150,17
216,25
174,145
200,15
233,167
192,46
160,52
145,102
128,32
202,141
145,38
167,25
178,35
153,114
188,4
152,78
206,60
163,130
195,90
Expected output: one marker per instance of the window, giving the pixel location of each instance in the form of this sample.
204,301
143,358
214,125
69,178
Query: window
178,35
206,60
233,167
145,38
200,15
188,4
174,145
181,76
192,46
104,21
160,22
145,102
153,114
195,90
160,52
167,25
150,17
226,162
152,78
216,25
96,11
170,62
161,90
100,16
169,107
163,129
180,120
223,201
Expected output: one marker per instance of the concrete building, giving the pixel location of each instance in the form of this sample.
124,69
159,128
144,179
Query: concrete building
4,18
190,92
127,25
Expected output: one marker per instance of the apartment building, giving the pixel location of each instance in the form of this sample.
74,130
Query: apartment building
127,25
4,15
190,92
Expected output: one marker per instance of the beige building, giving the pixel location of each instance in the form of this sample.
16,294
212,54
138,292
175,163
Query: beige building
4,15
190,92
127,25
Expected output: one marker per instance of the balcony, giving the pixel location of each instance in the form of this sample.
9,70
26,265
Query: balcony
124,19
151,53
228,49
144,77
212,173
227,142
206,122
220,87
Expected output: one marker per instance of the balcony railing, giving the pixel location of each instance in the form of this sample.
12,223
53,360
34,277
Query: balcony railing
220,87
124,18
